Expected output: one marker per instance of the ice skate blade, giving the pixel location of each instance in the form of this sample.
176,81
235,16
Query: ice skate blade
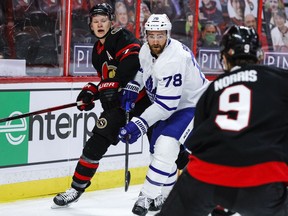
54,206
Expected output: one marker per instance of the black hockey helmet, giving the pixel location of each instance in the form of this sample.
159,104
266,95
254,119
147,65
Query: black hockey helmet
103,9
239,42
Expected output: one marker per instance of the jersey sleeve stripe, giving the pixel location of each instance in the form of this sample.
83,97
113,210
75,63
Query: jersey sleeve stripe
128,48
128,54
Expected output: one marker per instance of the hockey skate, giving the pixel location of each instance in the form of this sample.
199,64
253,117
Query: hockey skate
142,205
157,203
64,199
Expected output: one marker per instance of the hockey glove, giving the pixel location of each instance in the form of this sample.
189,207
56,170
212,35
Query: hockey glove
129,95
88,94
133,130
108,94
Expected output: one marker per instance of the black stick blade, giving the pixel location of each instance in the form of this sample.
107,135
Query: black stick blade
127,180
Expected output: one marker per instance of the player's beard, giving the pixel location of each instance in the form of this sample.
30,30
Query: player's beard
156,49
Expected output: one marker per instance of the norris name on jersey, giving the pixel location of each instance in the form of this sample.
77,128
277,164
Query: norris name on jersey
241,76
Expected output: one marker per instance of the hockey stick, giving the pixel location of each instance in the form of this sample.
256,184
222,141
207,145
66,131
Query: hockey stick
127,172
78,103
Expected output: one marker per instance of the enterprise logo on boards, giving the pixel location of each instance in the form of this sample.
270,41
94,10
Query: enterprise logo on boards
9,128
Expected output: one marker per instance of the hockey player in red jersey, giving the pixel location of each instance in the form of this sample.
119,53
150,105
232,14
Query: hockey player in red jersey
239,144
115,57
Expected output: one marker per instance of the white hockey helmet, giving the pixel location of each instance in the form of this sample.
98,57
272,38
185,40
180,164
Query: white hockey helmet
158,22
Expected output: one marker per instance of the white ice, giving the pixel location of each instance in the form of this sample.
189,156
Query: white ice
97,203
111,202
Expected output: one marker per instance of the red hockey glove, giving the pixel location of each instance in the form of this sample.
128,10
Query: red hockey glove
88,94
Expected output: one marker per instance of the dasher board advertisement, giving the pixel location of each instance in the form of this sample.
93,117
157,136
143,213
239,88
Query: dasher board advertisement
52,137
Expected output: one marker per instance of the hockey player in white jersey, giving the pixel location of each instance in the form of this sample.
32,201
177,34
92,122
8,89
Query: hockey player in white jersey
173,81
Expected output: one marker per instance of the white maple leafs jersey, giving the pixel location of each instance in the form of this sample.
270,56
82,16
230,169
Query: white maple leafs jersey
173,81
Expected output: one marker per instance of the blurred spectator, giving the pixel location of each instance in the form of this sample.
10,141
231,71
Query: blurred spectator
177,7
181,28
253,7
251,22
189,29
272,7
189,24
145,12
130,9
144,15
163,7
279,33
192,5
224,6
185,7
208,38
122,19
209,12
237,9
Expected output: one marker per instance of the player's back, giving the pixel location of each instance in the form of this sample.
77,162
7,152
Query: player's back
241,129
248,117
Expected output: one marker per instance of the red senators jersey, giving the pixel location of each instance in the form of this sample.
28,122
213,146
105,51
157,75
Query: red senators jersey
240,136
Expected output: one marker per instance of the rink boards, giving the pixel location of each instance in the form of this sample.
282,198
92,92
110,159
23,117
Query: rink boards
39,153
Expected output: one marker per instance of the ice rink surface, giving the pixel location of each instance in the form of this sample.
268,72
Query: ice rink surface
111,202
97,203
